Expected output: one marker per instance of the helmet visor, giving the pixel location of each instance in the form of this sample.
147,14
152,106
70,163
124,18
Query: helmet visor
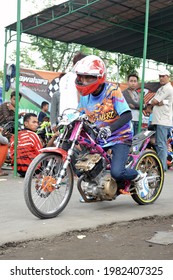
86,80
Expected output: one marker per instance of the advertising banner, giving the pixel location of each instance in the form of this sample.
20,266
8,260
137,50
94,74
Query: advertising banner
36,86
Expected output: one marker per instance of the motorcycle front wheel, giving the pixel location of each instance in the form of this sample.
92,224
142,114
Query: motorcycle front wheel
44,199
150,163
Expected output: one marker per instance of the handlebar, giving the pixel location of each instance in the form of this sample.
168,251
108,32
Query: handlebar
83,117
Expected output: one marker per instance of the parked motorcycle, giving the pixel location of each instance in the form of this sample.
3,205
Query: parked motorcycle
44,132
49,180
8,131
170,150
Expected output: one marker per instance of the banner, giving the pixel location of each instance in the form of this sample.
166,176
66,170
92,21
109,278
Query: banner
36,86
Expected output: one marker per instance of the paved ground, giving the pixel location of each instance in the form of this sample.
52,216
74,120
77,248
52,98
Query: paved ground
144,239
110,230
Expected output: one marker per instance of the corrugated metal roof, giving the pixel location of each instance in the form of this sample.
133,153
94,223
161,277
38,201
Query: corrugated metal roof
109,25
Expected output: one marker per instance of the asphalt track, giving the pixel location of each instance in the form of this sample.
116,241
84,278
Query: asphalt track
18,224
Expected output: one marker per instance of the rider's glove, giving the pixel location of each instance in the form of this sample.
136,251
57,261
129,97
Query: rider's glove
104,132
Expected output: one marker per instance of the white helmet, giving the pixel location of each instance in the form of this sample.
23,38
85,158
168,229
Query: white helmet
90,65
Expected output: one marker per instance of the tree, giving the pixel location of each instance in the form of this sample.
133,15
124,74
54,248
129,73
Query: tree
128,64
26,59
1,77
56,56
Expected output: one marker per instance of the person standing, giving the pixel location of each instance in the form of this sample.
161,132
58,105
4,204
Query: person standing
67,96
162,106
54,111
133,99
43,113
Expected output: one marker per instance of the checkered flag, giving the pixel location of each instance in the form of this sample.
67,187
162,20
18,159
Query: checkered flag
53,86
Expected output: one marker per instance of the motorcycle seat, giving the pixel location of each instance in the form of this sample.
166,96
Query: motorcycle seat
141,137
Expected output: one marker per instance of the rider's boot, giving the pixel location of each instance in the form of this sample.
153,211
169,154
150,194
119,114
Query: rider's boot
141,183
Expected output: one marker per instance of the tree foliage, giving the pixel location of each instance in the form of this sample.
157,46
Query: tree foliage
57,56
1,77
128,64
26,57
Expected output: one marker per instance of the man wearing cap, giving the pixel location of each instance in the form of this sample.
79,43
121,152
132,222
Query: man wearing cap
162,104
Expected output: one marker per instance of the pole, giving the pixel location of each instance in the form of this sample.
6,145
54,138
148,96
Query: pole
144,59
17,86
118,68
5,67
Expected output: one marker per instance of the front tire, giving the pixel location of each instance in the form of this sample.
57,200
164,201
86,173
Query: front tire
150,163
44,199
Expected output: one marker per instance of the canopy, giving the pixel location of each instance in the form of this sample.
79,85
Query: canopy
109,25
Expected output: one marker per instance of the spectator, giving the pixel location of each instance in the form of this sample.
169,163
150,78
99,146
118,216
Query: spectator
29,144
42,116
67,94
107,108
162,105
7,109
3,151
54,112
133,99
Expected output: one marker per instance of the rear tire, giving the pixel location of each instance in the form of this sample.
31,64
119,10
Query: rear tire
150,163
43,199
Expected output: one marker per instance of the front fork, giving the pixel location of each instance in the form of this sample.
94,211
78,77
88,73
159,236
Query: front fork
74,136
65,165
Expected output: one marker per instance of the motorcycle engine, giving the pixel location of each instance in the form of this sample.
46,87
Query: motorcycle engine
97,182
90,164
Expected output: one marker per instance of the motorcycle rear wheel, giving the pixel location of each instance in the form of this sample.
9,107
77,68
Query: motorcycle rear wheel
43,199
150,163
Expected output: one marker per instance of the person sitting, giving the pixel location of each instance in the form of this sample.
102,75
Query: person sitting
3,151
106,106
29,144
42,116
7,109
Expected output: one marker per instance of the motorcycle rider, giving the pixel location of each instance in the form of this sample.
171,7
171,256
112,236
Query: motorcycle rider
106,106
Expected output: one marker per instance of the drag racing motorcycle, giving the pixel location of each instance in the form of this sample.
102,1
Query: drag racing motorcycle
49,180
